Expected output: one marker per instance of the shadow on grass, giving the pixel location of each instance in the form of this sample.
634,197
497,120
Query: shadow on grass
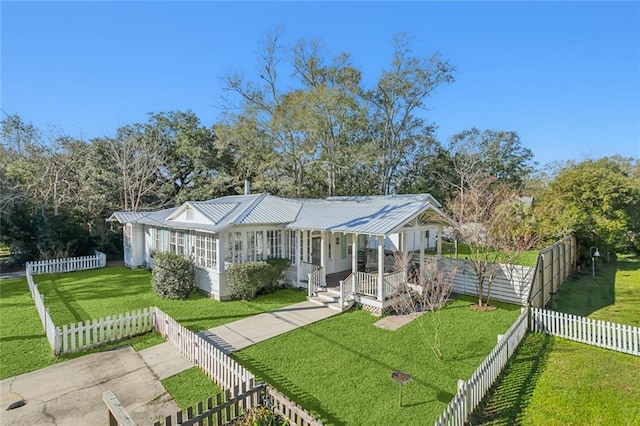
582,294
511,393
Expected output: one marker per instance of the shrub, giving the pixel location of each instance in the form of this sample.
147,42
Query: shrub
260,416
274,273
172,276
246,280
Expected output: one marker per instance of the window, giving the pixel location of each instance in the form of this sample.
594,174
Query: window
158,245
233,252
127,235
204,250
292,244
274,243
189,213
176,242
255,245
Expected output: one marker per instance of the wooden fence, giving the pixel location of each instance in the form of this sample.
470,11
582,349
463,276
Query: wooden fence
471,392
511,282
221,409
221,368
555,264
604,334
99,260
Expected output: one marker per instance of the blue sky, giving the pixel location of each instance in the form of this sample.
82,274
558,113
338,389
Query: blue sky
565,76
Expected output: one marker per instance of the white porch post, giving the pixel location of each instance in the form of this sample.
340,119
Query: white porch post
403,246
323,256
439,240
354,253
220,254
380,267
421,247
303,240
297,253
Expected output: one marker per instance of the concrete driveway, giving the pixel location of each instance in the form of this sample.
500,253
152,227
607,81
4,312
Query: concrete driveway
70,393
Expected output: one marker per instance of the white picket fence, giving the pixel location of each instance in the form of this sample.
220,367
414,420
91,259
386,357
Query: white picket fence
221,368
99,260
43,312
97,332
609,335
471,392
614,336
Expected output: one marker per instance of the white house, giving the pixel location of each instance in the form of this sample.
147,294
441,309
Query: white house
328,238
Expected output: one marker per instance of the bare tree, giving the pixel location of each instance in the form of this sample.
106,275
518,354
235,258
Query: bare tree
496,225
427,290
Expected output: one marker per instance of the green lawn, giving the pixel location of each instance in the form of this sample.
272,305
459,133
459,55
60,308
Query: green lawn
527,258
340,368
555,381
97,293
190,387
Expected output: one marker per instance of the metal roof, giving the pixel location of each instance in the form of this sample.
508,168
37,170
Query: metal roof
373,218
374,215
126,217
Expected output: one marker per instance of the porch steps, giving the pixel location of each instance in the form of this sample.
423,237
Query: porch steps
329,298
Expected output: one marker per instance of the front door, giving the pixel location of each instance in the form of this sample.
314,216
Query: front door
316,251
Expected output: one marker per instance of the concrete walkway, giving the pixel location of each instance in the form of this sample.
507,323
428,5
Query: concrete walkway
165,361
70,393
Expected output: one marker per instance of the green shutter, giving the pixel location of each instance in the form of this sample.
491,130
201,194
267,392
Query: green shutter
343,243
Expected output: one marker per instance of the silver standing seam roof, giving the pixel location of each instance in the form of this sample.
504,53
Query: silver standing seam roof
373,215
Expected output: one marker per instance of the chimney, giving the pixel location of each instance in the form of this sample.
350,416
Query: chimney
247,187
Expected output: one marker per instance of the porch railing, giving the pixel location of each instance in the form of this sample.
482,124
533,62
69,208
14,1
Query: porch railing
316,280
366,284
393,282
347,289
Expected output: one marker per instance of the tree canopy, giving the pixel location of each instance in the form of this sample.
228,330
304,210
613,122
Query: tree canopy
307,124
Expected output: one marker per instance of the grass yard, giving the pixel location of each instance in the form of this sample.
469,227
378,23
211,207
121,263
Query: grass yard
340,368
83,295
527,258
190,387
555,381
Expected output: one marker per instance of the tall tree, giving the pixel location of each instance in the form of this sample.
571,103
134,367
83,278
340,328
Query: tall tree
496,225
137,162
475,155
189,150
400,93
596,200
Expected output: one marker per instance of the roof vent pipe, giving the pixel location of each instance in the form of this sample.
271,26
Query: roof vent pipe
247,187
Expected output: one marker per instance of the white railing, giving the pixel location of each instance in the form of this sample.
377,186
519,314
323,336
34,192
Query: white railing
347,289
471,392
604,334
366,284
316,281
393,282
99,260
221,368
305,269
89,334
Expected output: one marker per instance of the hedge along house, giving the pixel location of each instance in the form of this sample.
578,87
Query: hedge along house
342,242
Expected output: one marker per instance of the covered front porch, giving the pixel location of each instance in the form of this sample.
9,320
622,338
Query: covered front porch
350,267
